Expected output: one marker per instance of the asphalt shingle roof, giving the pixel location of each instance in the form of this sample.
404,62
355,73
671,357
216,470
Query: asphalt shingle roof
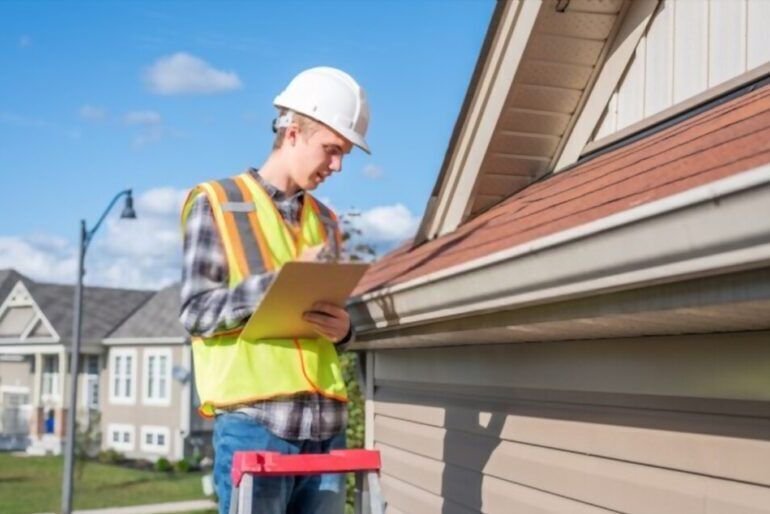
104,308
8,278
724,140
158,317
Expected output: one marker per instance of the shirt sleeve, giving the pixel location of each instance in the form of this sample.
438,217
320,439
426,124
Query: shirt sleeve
208,305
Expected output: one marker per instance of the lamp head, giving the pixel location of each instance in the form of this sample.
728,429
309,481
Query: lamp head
128,209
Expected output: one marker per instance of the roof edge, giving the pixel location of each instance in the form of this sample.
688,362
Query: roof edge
370,316
470,92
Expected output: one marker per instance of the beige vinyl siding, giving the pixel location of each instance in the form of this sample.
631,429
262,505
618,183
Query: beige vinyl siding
16,374
139,413
690,46
644,425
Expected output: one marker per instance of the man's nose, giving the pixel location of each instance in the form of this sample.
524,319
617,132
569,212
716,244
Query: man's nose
336,163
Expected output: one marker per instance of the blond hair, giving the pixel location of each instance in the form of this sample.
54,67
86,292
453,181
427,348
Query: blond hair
307,126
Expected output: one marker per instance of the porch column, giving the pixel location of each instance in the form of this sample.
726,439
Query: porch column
36,417
37,384
63,378
62,408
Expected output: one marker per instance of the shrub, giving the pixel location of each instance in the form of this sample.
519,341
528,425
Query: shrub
163,464
111,457
182,466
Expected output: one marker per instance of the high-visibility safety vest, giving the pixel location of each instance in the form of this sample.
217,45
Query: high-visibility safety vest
231,370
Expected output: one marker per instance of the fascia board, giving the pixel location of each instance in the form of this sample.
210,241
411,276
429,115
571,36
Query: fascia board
46,348
128,341
463,167
39,315
665,240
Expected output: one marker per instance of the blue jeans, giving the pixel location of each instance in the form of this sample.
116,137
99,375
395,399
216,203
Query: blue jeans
308,494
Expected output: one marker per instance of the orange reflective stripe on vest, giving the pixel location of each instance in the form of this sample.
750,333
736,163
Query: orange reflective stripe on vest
230,370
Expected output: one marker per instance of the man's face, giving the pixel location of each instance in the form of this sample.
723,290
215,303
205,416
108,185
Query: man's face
317,156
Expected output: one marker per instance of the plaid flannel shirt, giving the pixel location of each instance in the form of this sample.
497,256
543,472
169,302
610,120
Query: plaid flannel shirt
210,306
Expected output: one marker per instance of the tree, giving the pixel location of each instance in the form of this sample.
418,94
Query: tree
354,248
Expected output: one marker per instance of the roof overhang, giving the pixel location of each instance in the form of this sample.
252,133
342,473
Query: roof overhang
542,64
719,228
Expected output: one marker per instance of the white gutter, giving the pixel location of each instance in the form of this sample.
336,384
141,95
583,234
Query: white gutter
426,305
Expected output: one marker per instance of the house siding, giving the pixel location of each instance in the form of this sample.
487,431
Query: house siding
676,424
139,413
16,374
689,47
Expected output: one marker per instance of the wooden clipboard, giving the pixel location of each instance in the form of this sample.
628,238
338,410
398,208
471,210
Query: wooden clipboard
294,291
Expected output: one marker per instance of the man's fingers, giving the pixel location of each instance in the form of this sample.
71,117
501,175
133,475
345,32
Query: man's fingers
331,333
330,309
326,322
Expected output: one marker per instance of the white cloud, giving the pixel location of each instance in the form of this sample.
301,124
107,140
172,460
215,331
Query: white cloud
42,257
161,201
372,171
142,253
25,41
142,118
93,113
184,73
386,224
146,252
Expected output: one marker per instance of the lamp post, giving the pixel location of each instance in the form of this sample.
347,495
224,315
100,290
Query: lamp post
69,449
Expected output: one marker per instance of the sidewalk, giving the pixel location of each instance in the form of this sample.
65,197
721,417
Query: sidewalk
155,508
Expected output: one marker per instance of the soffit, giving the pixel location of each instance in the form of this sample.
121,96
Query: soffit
557,68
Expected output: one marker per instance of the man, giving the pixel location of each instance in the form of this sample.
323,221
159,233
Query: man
284,395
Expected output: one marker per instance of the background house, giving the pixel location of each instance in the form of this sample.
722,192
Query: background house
582,323
135,375
148,410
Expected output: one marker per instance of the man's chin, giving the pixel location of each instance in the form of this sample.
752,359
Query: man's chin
310,185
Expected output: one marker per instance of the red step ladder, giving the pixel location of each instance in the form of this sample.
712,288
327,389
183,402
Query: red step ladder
246,465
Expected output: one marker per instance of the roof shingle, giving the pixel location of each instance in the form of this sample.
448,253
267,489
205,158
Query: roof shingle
725,140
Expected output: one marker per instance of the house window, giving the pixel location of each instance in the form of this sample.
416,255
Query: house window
50,375
157,377
155,439
121,437
122,376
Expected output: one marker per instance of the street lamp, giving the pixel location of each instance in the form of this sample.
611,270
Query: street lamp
69,449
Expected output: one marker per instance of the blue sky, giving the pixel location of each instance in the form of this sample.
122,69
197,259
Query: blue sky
158,96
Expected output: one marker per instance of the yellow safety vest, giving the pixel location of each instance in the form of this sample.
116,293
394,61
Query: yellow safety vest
231,370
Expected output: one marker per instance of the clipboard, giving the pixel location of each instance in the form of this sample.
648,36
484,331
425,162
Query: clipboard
294,291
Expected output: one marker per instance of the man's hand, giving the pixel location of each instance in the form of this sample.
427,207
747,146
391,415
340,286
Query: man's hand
329,320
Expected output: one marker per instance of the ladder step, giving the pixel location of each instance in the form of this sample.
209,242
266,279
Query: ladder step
277,464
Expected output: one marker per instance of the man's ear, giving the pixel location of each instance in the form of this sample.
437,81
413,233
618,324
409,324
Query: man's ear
291,134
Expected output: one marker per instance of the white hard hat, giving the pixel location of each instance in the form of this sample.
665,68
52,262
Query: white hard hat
332,97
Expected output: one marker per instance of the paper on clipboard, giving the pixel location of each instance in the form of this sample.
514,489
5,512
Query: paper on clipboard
294,291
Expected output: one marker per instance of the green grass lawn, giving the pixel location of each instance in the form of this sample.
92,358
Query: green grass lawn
33,484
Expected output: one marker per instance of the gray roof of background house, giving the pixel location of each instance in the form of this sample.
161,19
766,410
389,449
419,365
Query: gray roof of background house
159,317
8,279
103,308
107,312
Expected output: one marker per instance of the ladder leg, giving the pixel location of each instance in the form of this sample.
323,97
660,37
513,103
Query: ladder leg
245,494
233,501
375,494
